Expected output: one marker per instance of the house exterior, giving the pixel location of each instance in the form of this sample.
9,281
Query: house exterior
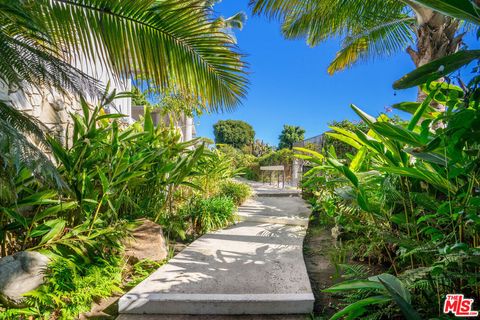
53,108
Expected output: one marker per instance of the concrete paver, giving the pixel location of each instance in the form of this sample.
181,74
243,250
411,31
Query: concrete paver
252,267
281,210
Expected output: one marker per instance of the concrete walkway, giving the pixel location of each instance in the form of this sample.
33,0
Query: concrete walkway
253,267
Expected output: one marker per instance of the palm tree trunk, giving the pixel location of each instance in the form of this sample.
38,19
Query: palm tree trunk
436,38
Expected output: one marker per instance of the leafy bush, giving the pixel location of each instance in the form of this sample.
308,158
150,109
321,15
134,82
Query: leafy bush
211,213
70,289
238,192
409,197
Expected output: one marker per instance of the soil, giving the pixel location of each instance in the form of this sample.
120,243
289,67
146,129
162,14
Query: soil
317,246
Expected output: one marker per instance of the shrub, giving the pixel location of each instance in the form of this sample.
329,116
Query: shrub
70,289
211,213
238,192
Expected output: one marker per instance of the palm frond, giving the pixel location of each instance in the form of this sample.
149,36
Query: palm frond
169,42
27,55
382,40
369,27
21,137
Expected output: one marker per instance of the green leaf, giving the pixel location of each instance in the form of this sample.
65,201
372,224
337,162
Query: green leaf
429,156
40,231
431,177
394,283
312,152
355,285
39,198
460,9
359,305
412,107
421,110
15,216
398,293
365,117
343,169
148,121
358,160
56,229
348,140
54,210
433,70
398,133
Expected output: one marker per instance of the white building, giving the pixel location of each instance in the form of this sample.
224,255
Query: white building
53,108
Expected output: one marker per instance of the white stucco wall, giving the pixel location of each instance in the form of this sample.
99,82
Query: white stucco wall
53,109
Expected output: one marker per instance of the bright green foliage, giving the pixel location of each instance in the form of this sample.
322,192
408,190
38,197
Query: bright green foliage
180,44
238,192
408,198
70,289
342,149
460,9
236,133
210,213
169,44
212,169
290,135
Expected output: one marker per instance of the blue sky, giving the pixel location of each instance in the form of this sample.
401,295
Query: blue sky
289,83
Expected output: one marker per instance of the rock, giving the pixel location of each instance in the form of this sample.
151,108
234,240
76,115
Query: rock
148,242
19,274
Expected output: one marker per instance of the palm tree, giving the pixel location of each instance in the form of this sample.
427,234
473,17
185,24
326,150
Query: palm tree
171,43
368,28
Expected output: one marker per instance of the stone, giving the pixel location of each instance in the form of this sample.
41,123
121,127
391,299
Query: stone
19,274
147,242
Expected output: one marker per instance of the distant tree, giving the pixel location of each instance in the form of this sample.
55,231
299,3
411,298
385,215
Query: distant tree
290,135
236,133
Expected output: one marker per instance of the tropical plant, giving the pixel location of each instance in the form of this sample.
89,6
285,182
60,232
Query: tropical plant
382,289
185,47
212,169
408,196
371,28
210,213
290,135
237,191
182,45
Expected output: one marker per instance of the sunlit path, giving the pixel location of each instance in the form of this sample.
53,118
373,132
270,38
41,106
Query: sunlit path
253,267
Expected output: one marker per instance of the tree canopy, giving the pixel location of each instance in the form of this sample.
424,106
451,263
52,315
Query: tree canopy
290,135
236,133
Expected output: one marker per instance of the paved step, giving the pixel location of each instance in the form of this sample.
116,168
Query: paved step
277,210
249,268
211,317
254,267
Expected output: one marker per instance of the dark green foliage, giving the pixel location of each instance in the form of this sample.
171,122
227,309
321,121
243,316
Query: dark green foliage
236,133
290,135
211,213
238,192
